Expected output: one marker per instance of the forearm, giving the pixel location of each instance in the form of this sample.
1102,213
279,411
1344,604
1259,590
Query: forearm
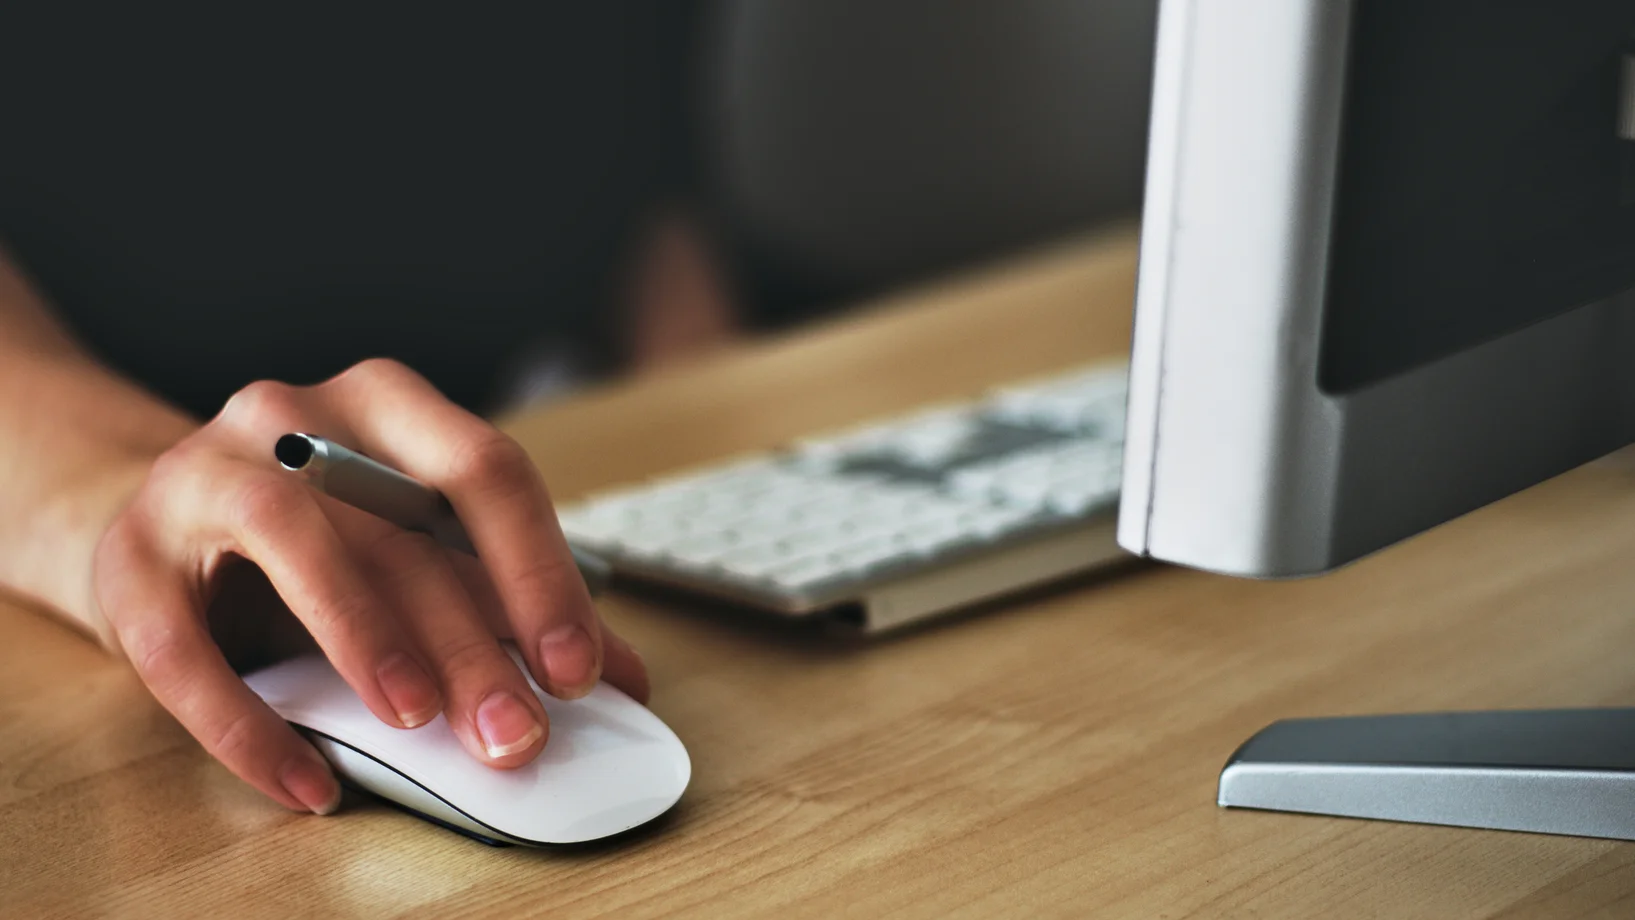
75,442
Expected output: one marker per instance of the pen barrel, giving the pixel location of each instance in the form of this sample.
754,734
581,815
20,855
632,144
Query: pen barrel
374,487
384,492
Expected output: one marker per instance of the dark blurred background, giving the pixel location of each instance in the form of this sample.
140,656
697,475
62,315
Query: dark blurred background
852,145
516,199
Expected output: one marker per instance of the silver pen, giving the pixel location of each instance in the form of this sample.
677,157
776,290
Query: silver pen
372,486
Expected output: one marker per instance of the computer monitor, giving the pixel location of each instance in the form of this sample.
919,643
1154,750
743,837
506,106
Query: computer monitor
1386,264
1386,275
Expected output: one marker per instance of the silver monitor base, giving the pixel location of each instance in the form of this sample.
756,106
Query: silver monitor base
1559,771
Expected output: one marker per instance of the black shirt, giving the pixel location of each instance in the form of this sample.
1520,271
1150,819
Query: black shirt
217,193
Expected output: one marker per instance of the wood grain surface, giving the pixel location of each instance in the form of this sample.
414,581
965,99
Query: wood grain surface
1050,756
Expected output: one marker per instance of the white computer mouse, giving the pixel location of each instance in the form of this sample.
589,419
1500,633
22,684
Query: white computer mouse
609,764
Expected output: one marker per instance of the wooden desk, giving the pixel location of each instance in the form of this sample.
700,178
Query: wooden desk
1053,757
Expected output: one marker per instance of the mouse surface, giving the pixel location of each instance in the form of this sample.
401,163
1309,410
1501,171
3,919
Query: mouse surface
609,764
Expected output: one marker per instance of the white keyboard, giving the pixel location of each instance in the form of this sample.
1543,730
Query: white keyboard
891,522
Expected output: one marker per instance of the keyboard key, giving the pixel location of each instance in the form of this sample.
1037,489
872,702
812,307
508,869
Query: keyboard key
582,528
992,523
1023,492
654,542
708,550
804,572
931,438
931,538
1078,502
867,554
816,541
753,562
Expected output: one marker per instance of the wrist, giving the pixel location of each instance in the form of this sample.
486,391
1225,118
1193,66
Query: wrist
91,439
54,566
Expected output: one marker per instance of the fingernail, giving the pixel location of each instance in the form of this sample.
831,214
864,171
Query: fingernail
410,690
569,659
307,777
506,725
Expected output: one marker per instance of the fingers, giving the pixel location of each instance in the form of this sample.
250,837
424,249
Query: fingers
276,522
502,501
490,707
622,665
160,625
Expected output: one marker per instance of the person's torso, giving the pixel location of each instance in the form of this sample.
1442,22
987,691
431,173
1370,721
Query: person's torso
212,195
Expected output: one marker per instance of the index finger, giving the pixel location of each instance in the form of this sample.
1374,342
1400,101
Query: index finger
403,420
161,627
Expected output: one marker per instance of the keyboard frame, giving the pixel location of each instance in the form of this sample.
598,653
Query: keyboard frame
912,590
899,596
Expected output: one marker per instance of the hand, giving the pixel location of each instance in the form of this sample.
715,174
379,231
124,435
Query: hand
414,629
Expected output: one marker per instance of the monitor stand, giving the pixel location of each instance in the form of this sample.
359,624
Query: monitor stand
1559,771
